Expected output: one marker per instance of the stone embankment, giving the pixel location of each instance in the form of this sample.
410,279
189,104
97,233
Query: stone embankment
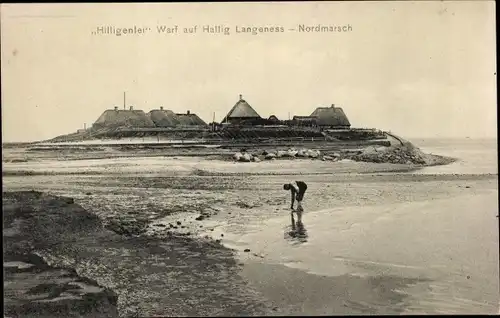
244,156
400,154
396,154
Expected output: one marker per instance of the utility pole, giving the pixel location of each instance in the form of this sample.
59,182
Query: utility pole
213,122
124,105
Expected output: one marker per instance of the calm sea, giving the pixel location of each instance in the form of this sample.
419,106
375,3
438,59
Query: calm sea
475,156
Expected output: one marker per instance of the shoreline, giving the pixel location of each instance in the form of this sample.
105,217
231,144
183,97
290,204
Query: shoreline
329,164
384,151
163,218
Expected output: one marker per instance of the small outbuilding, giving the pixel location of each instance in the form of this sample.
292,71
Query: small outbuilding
274,119
310,121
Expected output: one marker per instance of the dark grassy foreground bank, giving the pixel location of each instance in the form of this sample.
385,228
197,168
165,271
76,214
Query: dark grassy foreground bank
60,261
33,222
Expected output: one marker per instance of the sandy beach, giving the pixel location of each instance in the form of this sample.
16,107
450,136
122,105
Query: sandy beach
377,239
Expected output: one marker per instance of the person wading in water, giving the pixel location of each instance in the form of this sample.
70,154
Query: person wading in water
298,189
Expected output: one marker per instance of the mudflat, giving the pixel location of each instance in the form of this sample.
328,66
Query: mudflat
179,232
56,246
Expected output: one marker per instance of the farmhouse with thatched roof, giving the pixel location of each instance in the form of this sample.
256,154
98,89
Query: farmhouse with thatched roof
241,111
305,120
331,117
164,118
189,119
113,118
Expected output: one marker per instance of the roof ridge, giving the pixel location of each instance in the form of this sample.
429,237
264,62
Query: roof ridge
241,103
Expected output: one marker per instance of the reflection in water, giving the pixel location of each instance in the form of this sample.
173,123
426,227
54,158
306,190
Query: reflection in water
296,232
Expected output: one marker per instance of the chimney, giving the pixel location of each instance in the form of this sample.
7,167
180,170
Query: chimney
161,107
333,105
241,97
131,107
85,126
116,107
188,112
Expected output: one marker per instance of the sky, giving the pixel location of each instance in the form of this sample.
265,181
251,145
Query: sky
418,69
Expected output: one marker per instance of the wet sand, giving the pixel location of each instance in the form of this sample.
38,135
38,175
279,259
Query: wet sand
33,288
348,221
294,292
175,277
412,258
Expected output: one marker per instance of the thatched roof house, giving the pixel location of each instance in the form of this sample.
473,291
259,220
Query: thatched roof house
113,118
273,118
164,118
241,111
333,117
305,120
189,119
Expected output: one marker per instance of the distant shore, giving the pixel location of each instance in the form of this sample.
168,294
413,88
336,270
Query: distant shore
368,151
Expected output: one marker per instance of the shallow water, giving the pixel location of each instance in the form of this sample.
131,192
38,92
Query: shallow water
452,243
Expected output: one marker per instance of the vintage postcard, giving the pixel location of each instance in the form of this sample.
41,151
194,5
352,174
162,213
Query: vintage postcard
249,158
